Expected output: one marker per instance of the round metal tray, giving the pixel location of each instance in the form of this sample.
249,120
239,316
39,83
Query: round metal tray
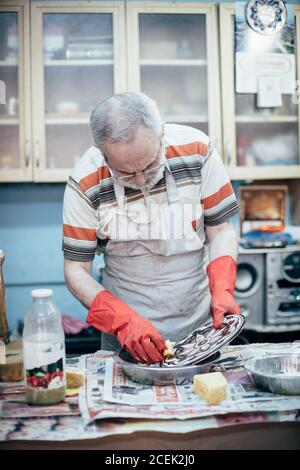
276,373
204,342
156,375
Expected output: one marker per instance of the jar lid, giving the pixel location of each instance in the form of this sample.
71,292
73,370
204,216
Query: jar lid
41,293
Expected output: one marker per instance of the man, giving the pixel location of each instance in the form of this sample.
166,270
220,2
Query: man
156,200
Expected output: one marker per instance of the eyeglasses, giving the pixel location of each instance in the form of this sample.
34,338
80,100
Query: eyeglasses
147,174
150,171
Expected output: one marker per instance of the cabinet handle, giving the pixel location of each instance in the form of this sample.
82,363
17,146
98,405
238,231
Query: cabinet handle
228,153
37,153
27,152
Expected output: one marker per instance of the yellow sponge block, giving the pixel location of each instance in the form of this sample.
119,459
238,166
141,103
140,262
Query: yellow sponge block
211,387
169,349
75,378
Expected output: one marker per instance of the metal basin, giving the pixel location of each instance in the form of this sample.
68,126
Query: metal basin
276,373
156,375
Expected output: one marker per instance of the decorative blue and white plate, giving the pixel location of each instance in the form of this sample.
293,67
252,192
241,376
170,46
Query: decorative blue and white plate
266,16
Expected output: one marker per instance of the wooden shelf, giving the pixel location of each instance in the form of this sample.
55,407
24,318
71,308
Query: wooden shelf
173,62
56,118
9,63
76,62
8,121
263,172
178,118
265,119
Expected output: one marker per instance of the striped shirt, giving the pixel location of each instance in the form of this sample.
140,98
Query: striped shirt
90,190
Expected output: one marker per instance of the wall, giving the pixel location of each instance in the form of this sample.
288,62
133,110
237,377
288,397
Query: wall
30,235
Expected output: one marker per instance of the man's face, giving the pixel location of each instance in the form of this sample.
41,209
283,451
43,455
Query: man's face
138,163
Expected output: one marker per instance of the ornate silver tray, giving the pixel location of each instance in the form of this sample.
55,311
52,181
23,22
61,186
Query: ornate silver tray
204,342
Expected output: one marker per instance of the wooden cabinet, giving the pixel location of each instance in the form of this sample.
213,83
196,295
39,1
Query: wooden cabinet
172,56
82,52
259,143
59,58
15,120
78,56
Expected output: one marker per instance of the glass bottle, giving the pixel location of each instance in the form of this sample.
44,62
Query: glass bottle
3,317
44,351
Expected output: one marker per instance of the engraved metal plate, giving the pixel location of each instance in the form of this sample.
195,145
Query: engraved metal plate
204,341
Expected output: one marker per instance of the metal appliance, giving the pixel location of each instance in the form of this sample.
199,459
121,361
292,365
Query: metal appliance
250,288
283,287
268,288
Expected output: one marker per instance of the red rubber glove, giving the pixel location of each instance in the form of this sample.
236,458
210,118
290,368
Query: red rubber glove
136,334
222,276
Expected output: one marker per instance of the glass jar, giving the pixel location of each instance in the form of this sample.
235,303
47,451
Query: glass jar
44,351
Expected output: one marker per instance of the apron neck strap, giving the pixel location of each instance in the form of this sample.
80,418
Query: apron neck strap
120,193
172,190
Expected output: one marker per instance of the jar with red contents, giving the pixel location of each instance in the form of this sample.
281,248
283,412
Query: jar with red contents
44,351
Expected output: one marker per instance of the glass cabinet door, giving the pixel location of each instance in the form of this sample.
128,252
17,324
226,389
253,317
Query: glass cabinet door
175,61
266,137
79,70
14,95
259,143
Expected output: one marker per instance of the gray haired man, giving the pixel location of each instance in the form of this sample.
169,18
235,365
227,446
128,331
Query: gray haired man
156,200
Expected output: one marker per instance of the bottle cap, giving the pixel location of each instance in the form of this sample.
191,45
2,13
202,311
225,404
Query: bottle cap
41,293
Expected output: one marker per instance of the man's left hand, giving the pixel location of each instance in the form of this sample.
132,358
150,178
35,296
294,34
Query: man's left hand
221,304
222,276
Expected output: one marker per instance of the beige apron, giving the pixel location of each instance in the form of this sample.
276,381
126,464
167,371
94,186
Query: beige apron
163,277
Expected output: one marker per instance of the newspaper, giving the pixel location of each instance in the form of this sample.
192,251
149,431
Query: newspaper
73,428
120,389
14,405
108,393
62,422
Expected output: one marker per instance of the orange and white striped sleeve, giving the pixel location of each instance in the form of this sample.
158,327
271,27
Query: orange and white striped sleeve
79,224
217,196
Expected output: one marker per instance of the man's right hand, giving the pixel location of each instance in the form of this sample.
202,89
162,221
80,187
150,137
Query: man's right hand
136,334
